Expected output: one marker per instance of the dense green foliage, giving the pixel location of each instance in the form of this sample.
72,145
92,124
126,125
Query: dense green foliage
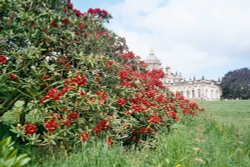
41,42
236,84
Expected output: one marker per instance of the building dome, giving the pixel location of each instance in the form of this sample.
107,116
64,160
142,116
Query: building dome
152,61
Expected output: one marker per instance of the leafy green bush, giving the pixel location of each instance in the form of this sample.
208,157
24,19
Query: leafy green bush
79,78
9,156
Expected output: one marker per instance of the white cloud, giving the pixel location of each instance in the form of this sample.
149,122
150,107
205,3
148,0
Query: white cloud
192,61
195,37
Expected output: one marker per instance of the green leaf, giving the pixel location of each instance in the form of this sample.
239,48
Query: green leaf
22,160
19,103
12,154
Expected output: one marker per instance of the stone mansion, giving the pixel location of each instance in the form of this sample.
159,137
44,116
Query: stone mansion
201,89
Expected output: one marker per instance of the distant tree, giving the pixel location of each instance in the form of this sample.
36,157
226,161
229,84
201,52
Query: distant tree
236,84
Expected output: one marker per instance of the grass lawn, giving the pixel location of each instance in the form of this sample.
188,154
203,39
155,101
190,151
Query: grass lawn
230,112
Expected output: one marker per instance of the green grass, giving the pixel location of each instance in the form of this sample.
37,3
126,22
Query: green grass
231,112
202,143
220,137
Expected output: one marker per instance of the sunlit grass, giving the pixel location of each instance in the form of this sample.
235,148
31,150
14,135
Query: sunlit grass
230,112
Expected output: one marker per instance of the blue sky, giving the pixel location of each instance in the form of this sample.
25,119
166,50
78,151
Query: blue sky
84,5
194,37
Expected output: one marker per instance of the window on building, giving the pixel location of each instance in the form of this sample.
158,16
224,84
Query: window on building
188,94
199,93
212,93
193,94
182,93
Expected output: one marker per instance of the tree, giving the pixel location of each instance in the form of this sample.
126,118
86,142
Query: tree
236,84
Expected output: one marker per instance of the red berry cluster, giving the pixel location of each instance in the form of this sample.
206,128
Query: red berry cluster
30,129
102,125
3,59
99,12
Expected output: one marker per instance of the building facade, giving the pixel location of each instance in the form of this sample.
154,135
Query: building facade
202,89
197,89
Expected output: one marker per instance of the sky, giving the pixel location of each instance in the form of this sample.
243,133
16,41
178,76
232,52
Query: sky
195,37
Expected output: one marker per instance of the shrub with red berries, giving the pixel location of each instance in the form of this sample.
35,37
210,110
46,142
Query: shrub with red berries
79,78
